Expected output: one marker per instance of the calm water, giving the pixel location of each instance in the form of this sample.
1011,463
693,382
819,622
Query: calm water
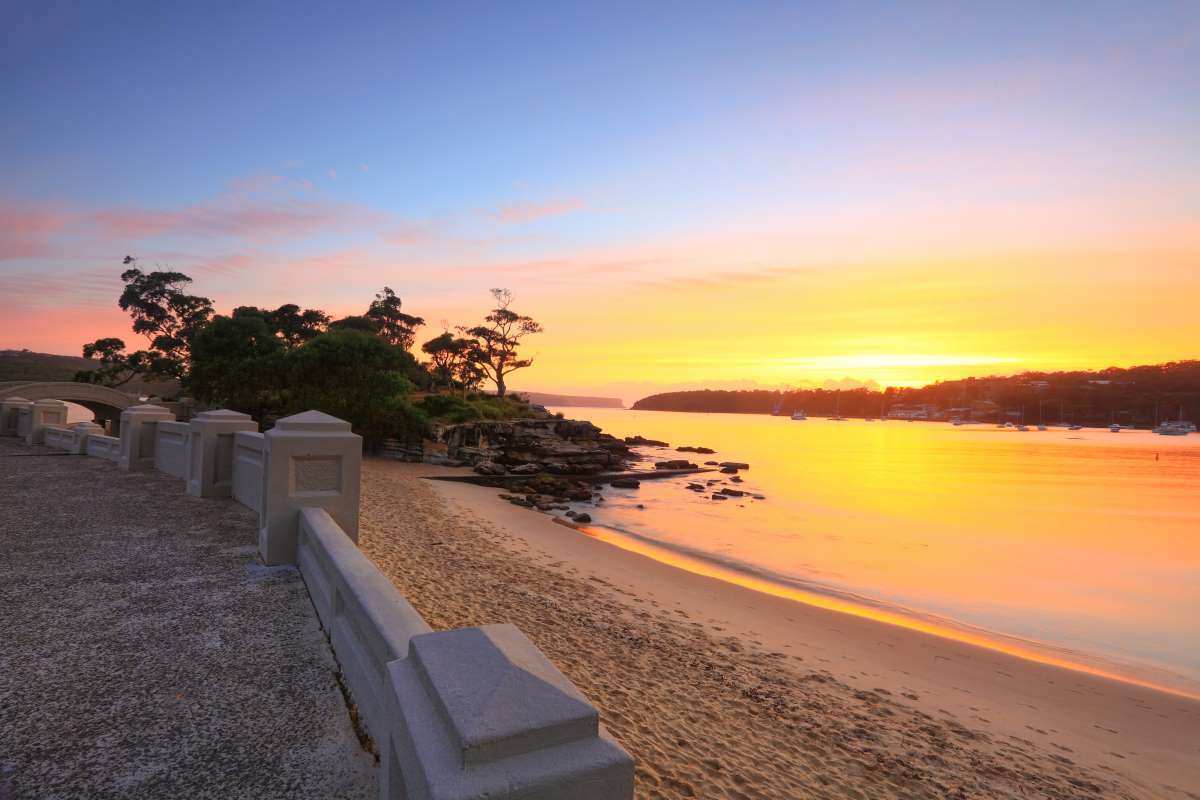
1080,546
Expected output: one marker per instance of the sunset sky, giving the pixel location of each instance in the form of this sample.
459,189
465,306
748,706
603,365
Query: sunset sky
684,194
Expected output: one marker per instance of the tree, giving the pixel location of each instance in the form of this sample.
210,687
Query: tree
356,376
164,313
237,362
355,323
448,357
496,342
117,367
293,326
392,324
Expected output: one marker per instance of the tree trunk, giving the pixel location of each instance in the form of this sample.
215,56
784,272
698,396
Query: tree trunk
500,390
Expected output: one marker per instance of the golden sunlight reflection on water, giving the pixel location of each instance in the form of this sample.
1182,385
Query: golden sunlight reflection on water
1069,546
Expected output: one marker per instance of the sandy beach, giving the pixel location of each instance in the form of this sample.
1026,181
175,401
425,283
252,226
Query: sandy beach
720,691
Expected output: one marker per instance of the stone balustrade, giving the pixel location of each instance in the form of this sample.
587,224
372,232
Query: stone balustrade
368,622
462,714
171,447
107,447
247,469
138,428
211,447
10,413
72,438
39,415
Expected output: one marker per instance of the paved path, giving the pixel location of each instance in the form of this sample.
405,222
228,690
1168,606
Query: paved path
145,651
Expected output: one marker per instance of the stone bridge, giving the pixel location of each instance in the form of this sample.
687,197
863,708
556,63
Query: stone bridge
106,403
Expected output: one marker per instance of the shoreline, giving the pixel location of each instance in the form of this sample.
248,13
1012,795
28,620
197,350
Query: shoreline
815,594
1052,724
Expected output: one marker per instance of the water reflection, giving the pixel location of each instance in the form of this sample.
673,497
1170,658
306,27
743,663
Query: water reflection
1084,540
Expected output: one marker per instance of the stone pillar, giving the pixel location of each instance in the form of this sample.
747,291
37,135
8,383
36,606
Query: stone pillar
82,431
210,451
10,412
138,428
482,713
43,413
311,460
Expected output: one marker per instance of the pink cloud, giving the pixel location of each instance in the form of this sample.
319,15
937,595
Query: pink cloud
81,289
257,208
520,213
25,231
410,233
228,264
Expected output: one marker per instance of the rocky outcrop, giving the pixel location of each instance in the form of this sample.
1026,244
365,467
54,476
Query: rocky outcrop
704,451
642,441
675,464
530,446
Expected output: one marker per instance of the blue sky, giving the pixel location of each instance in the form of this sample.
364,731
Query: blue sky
650,141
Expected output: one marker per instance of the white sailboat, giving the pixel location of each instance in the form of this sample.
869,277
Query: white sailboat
837,415
1176,427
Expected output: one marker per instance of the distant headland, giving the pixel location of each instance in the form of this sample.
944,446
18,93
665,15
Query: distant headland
571,400
1140,396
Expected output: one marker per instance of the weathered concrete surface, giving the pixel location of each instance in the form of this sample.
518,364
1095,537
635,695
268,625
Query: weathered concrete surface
145,651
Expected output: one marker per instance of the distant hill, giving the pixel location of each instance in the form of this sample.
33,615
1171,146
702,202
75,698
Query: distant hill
570,400
1129,395
26,365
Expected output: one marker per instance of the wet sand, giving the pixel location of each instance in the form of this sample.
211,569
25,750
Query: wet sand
720,691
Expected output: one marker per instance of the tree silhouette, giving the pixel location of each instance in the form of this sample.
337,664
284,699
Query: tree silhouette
496,342
162,312
393,324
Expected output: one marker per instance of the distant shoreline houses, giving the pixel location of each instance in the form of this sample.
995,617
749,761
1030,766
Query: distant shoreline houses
1143,396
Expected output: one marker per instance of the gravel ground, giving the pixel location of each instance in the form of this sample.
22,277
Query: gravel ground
146,652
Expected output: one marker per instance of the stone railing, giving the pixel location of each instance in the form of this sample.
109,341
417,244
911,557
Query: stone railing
72,438
470,713
171,448
368,622
10,414
108,447
28,420
247,469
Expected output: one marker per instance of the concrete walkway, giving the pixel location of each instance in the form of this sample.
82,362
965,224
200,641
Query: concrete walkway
145,652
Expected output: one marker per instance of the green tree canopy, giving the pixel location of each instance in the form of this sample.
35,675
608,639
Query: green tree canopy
293,326
391,323
356,376
237,363
165,314
450,361
355,323
117,367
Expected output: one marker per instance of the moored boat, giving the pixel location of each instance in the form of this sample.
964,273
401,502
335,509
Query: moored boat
1176,427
